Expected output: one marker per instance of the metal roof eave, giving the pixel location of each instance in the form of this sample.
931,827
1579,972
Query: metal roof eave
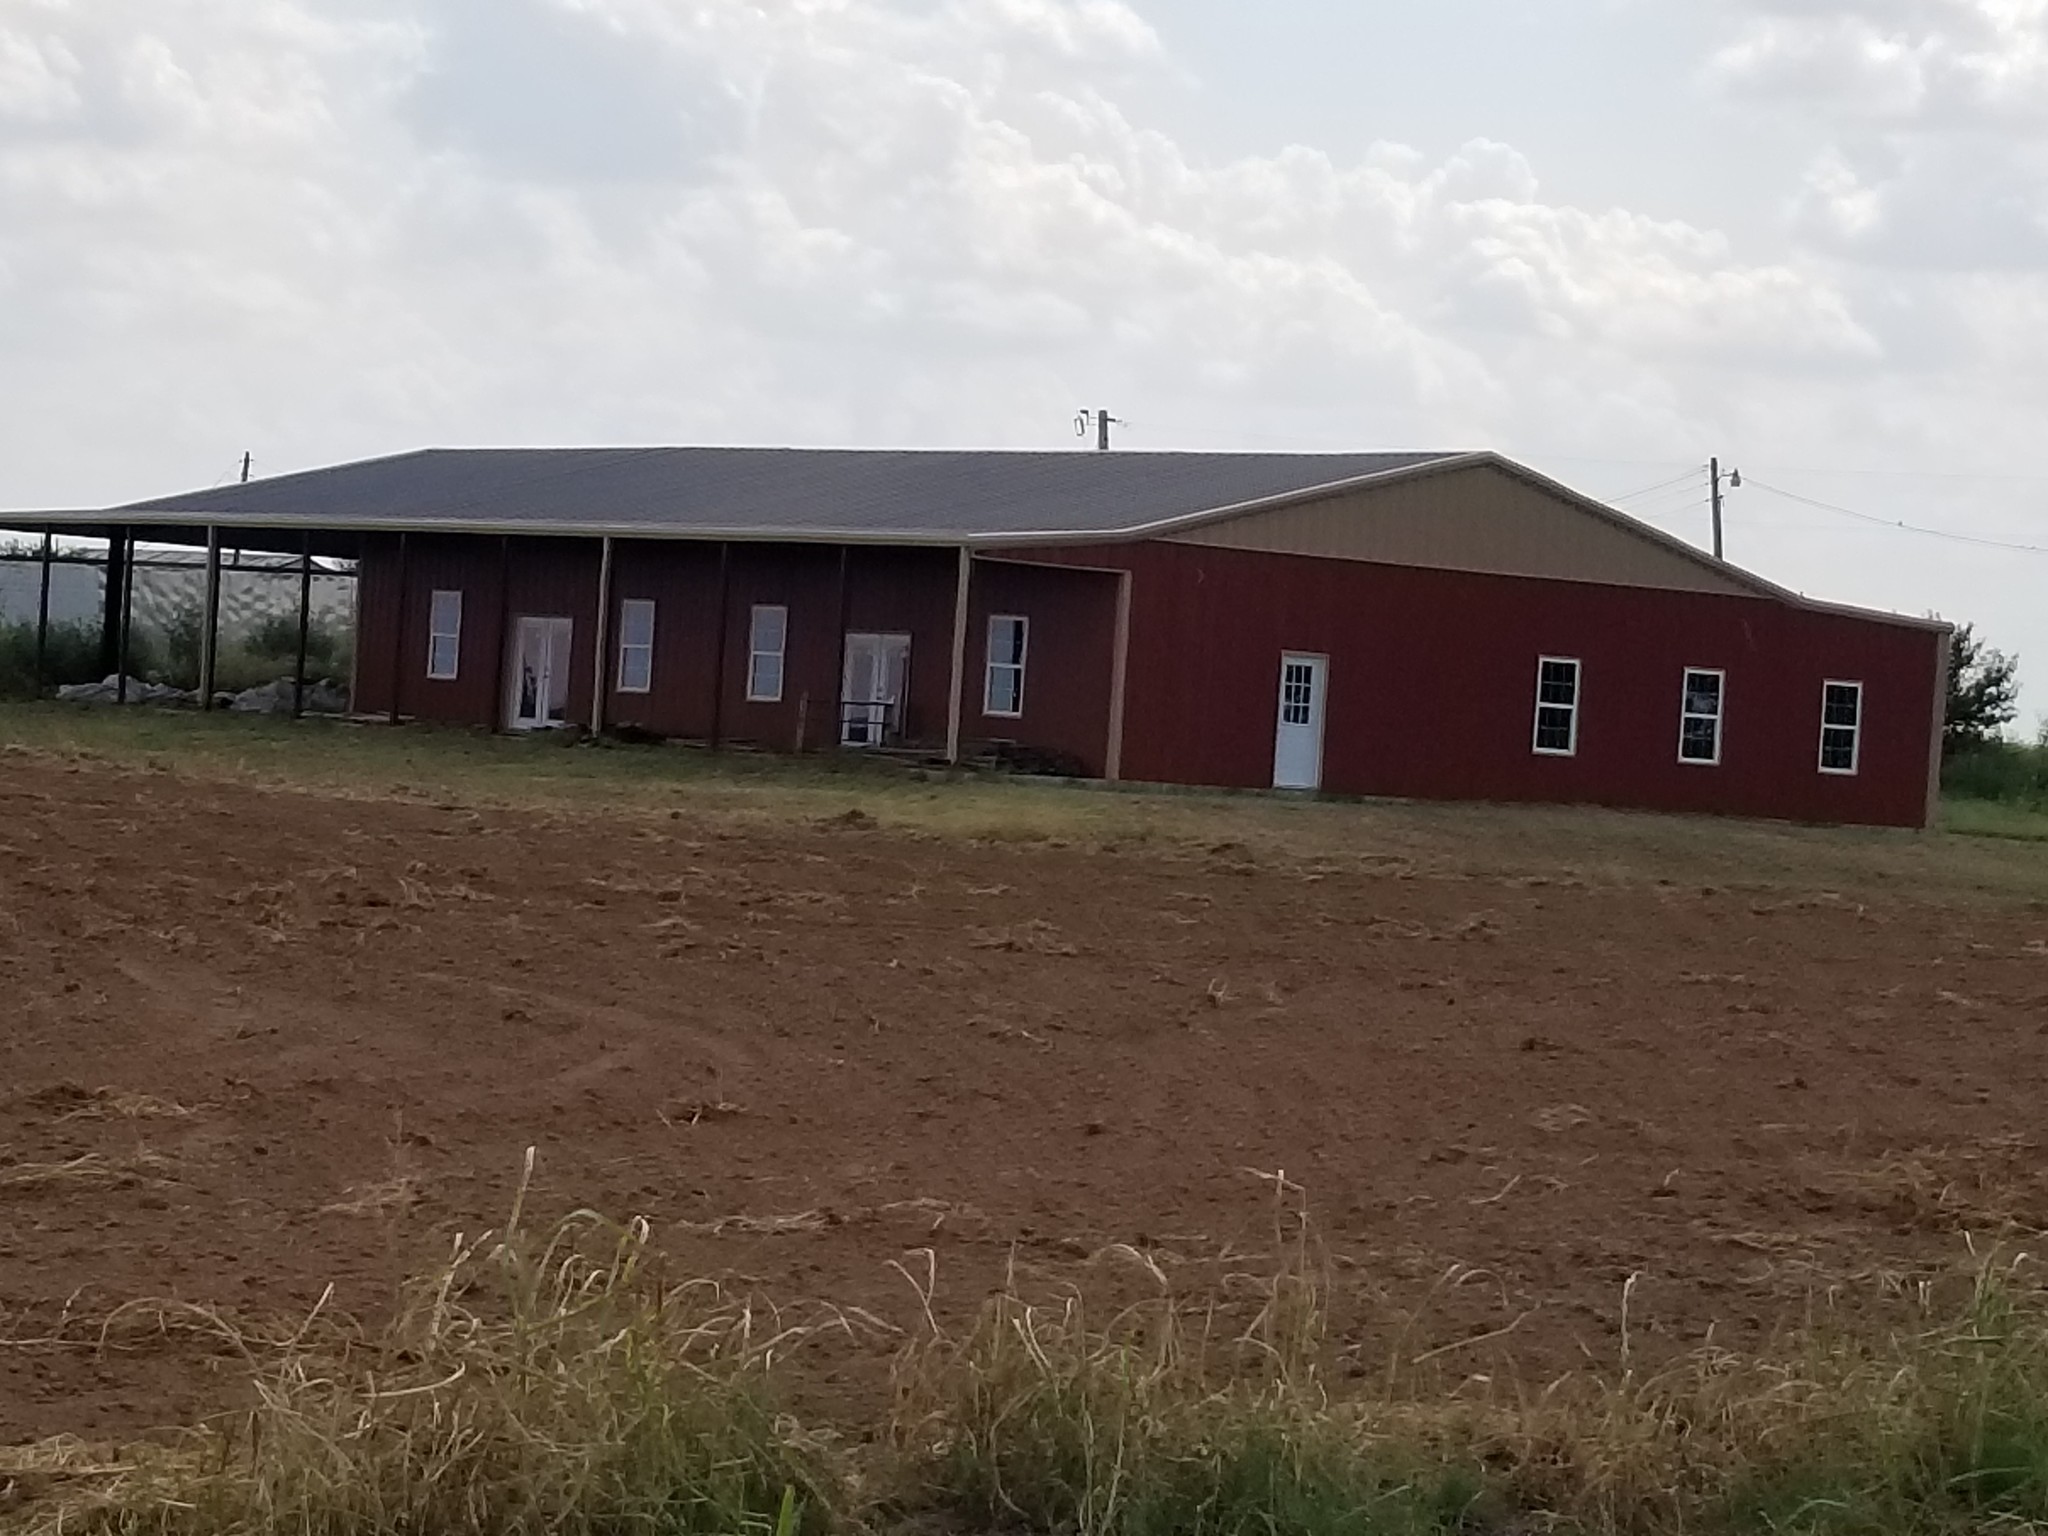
270,522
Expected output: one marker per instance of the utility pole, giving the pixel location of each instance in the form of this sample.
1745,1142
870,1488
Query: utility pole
247,460
1734,484
1103,422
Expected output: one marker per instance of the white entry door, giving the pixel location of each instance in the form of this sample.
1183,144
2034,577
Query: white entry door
871,694
1298,743
538,688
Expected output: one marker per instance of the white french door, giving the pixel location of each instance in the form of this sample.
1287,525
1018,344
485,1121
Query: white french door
871,693
537,690
1298,740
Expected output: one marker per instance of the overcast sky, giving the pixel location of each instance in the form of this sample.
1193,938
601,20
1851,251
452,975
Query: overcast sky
1608,237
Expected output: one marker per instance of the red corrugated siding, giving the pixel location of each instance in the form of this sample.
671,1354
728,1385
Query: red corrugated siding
829,592
898,591
548,577
910,591
1071,637
682,580
1432,686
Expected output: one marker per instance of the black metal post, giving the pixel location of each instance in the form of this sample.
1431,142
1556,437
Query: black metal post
127,618
209,618
305,623
110,604
43,618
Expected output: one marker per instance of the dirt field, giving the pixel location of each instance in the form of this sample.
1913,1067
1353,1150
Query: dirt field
259,1040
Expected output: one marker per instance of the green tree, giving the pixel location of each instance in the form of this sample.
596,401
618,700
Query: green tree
1983,693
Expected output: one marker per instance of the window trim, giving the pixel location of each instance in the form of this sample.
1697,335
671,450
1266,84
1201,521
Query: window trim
435,636
1719,717
627,648
990,666
1855,731
1578,667
755,652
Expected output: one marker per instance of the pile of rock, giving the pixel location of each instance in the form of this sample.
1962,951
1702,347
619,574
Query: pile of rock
322,698
110,691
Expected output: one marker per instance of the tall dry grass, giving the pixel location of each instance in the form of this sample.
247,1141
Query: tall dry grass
554,1382
1155,1423
534,1384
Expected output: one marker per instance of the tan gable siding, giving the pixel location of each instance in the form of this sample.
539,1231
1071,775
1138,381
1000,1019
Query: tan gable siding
1480,518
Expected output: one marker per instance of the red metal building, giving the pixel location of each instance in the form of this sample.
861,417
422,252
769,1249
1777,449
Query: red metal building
1444,626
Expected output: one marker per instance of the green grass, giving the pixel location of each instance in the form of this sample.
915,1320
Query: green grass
1965,817
1558,844
1999,789
2006,771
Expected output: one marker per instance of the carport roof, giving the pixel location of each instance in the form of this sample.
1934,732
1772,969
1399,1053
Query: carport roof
937,496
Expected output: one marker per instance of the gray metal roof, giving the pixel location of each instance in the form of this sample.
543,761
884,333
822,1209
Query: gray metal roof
935,496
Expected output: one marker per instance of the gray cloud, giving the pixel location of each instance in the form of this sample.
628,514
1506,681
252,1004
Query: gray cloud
545,90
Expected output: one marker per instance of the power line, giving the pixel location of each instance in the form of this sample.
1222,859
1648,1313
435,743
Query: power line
1886,522
1665,497
1678,515
1685,479
1908,474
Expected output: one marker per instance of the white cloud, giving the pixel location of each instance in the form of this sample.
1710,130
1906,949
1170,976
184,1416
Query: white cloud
1936,116
1949,62
36,78
352,226
835,221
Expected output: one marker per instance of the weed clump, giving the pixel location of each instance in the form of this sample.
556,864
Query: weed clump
533,1386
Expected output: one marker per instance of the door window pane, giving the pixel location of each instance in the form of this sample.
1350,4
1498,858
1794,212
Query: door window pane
1298,693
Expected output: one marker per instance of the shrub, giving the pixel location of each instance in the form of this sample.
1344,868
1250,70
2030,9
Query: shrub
269,650
72,655
2003,771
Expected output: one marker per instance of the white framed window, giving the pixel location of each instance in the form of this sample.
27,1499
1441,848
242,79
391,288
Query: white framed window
768,636
444,636
1841,728
1557,706
1699,716
636,645
1009,637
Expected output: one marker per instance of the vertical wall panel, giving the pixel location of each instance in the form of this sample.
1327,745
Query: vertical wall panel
910,591
549,578
681,580
1069,665
376,611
